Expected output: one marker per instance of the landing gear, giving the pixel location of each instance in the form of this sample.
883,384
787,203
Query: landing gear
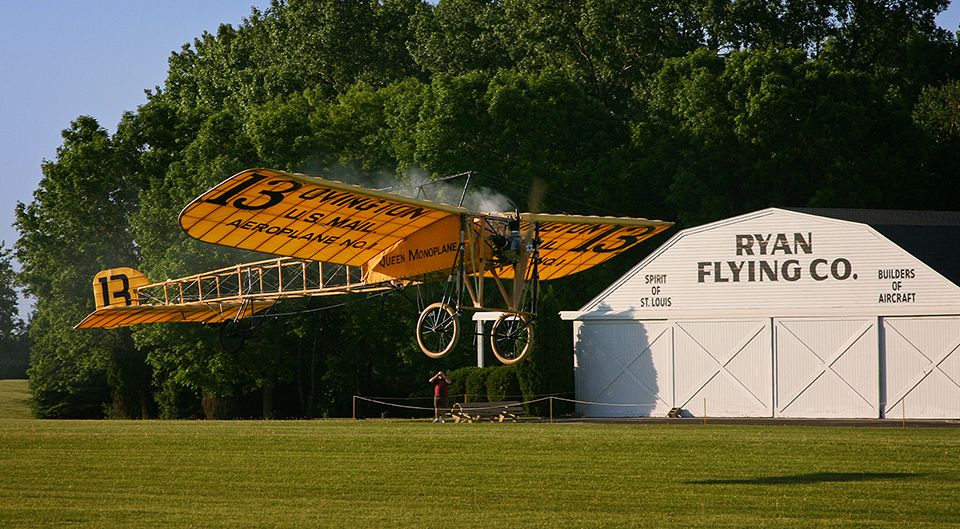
438,330
506,255
234,334
511,337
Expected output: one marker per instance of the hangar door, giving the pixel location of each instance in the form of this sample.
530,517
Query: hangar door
827,367
723,368
626,366
922,375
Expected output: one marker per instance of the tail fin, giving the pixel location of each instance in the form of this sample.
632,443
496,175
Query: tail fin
118,287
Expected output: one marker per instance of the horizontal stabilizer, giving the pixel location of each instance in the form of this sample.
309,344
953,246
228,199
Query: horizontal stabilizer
125,297
115,317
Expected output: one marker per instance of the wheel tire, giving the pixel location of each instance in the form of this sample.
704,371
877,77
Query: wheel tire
438,330
510,337
234,335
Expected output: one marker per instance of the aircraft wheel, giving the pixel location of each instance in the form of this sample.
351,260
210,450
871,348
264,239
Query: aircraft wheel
234,334
437,330
511,337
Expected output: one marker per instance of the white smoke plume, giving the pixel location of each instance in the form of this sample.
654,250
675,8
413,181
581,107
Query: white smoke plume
417,183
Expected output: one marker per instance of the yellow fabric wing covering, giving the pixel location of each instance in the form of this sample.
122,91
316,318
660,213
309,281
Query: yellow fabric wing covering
123,316
307,217
571,244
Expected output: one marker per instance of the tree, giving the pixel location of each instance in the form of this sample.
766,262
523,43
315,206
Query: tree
458,36
777,128
515,129
937,116
549,370
14,344
77,225
938,113
609,48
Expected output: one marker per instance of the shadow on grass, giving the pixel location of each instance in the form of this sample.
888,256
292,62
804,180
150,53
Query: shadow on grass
816,477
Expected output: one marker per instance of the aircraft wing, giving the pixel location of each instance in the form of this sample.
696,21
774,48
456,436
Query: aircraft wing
571,243
307,217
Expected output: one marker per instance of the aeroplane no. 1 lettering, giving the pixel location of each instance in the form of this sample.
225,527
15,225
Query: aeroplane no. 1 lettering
278,231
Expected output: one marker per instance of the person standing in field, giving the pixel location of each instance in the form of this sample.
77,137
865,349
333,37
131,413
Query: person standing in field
440,384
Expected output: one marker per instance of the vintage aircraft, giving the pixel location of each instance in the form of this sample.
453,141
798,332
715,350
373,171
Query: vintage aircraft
337,238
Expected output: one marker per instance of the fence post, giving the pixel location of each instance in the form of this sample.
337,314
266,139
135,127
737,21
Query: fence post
354,407
551,408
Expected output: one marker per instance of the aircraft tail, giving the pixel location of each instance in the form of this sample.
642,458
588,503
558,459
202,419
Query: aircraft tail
118,287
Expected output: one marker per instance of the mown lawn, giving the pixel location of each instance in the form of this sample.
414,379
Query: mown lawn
368,474
14,399
419,474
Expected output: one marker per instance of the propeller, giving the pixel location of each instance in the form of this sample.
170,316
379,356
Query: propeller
538,189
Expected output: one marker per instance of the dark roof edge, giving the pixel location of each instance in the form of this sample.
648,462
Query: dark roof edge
886,217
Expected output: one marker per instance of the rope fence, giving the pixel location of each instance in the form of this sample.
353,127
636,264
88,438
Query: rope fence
383,401
694,409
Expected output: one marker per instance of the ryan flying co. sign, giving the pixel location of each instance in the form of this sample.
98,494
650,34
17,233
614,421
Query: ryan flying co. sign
790,257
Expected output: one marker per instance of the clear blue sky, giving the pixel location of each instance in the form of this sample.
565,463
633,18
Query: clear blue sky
62,59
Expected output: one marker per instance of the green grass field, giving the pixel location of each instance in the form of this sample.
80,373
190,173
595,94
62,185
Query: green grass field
14,399
383,473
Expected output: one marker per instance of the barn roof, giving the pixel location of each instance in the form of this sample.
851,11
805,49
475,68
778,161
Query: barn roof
931,236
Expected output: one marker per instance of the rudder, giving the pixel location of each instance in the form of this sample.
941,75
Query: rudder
118,287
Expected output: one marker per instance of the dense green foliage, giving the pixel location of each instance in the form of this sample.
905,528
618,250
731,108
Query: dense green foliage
475,387
502,384
688,111
413,474
458,384
14,342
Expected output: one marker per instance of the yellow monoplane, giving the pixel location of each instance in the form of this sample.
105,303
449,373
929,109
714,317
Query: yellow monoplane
337,238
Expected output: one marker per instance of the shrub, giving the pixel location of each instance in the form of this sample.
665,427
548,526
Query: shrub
502,383
177,402
476,387
458,382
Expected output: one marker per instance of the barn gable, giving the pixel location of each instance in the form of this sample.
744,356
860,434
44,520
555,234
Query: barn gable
776,259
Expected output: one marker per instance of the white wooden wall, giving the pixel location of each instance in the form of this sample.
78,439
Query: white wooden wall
827,367
626,366
865,367
723,368
922,371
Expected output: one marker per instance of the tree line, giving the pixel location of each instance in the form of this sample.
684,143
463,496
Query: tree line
681,110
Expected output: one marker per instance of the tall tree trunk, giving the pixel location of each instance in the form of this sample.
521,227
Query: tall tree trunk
268,400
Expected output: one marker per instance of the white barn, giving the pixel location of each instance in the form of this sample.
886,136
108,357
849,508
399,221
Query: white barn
782,313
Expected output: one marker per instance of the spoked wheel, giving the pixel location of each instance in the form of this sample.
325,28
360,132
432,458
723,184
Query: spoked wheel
234,334
510,338
438,330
